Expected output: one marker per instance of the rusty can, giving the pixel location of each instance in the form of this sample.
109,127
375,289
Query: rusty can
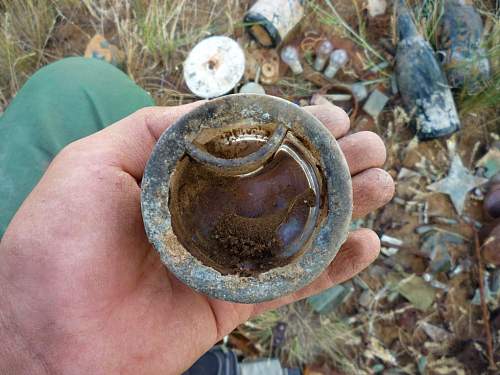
247,198
269,22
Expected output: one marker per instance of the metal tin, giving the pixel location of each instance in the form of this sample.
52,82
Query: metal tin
269,22
209,195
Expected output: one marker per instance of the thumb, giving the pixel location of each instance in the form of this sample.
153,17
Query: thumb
129,142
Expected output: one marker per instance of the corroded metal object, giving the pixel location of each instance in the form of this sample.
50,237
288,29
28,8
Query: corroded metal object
421,82
461,29
269,22
247,198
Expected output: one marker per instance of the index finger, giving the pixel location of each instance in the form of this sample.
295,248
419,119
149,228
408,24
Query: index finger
334,118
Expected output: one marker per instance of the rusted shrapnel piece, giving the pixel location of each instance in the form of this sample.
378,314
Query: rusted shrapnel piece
465,61
269,22
421,82
247,198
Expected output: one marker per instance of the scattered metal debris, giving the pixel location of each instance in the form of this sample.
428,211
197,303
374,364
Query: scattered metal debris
359,91
338,59
435,283
472,222
269,22
214,67
392,241
421,82
405,173
435,246
366,298
252,88
489,295
290,56
389,251
444,220
378,350
379,67
417,291
267,60
464,265
457,184
331,298
375,103
422,365
340,95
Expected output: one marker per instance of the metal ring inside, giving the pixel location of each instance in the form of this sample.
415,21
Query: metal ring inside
243,165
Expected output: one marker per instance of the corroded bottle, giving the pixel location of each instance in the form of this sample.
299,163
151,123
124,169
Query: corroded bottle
422,84
466,62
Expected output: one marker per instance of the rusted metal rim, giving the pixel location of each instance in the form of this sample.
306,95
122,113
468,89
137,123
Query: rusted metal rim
241,165
324,243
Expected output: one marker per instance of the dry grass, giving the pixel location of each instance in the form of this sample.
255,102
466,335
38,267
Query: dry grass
25,28
309,336
155,35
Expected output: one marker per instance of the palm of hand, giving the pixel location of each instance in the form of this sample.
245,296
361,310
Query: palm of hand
86,287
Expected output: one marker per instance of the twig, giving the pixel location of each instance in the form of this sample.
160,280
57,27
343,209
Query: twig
484,307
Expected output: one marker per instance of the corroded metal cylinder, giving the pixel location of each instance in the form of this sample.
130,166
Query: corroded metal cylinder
247,198
269,22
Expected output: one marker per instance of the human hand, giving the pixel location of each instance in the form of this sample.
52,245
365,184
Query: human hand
83,291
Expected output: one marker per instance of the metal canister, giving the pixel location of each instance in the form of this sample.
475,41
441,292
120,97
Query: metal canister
269,22
247,198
